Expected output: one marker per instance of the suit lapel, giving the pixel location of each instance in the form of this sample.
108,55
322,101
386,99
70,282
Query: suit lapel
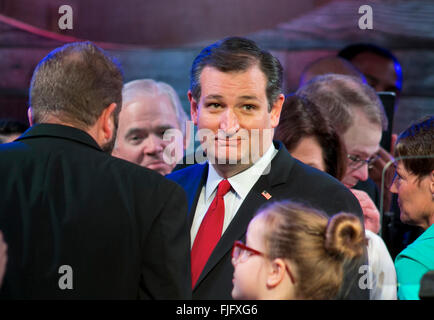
193,188
280,168
238,227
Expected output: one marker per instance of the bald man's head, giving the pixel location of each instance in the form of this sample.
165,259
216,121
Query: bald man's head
327,65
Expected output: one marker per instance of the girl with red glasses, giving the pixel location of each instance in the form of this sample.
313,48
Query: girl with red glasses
295,252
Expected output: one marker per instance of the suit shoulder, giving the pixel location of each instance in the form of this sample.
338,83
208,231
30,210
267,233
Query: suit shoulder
186,173
144,177
326,192
314,177
136,171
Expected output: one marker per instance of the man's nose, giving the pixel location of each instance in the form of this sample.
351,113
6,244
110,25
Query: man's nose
229,122
153,144
361,173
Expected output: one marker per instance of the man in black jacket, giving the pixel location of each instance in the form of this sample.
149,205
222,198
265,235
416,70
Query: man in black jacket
235,98
79,223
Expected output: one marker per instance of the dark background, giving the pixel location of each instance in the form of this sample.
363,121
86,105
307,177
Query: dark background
160,38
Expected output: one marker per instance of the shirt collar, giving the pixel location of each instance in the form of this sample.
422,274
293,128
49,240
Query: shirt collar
59,131
243,181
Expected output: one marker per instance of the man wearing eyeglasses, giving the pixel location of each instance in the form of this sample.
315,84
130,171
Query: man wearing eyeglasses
359,117
362,143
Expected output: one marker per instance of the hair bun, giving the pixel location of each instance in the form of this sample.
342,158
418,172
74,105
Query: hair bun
345,237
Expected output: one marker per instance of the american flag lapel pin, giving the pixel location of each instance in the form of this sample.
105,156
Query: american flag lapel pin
266,195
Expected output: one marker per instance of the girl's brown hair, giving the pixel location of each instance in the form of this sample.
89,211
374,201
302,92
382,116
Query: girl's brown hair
300,118
318,246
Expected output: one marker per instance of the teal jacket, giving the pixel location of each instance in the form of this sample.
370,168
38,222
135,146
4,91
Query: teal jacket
412,263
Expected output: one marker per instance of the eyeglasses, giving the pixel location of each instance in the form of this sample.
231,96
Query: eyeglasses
241,252
356,162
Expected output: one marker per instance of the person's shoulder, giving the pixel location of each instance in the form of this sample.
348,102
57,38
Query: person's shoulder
315,177
14,147
190,172
422,249
143,178
320,190
378,249
375,240
133,170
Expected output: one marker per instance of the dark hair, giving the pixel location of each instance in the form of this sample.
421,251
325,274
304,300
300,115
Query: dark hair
75,83
352,50
417,140
301,118
319,246
237,54
11,126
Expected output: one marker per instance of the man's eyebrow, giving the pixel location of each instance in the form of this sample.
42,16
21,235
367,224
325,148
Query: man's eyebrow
135,131
217,96
248,98
162,127
361,154
214,96
165,127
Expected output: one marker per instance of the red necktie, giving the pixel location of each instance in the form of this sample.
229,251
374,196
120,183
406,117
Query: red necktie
209,233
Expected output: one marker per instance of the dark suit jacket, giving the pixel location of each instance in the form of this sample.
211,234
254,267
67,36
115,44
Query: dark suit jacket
65,202
288,179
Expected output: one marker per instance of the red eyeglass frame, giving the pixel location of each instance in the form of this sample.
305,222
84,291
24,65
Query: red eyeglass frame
242,246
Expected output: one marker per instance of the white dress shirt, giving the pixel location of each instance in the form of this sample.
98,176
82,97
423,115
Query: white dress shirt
241,184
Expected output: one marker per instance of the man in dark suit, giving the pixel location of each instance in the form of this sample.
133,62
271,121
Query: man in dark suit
235,97
79,223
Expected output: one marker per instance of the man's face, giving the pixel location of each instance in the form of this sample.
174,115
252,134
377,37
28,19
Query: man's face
361,140
142,123
379,71
230,106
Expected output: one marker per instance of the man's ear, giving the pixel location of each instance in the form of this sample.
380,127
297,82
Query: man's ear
276,273
276,110
432,183
193,107
107,122
30,115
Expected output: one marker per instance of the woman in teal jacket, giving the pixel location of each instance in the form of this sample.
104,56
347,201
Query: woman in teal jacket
414,184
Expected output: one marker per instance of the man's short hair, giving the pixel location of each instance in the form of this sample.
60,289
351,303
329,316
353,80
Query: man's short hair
300,118
352,50
340,95
235,54
148,87
75,83
330,64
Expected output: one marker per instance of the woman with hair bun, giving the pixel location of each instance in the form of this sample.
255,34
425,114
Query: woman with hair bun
295,252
